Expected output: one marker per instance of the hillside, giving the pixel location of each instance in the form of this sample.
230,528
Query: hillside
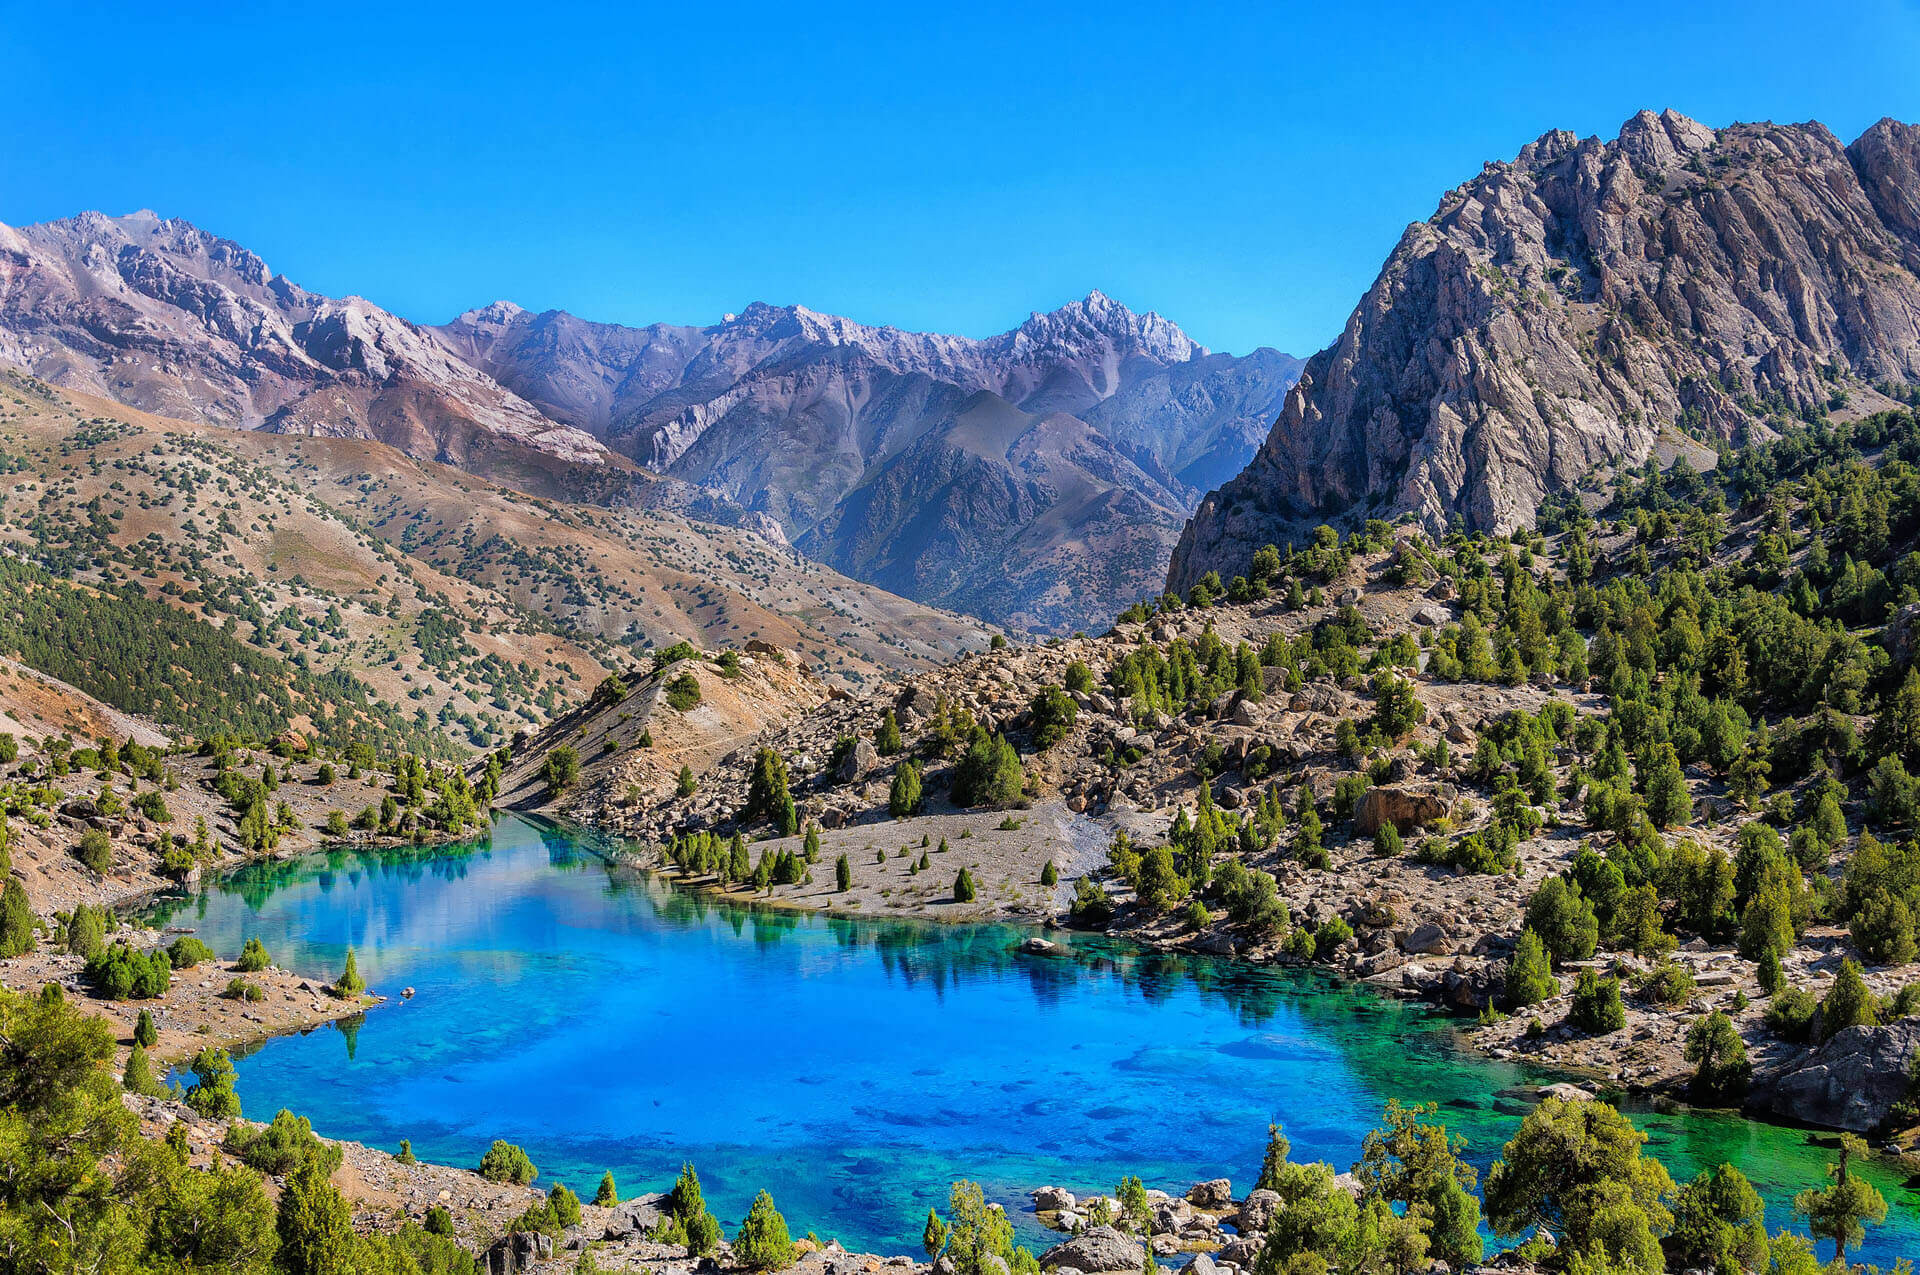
1558,312
478,610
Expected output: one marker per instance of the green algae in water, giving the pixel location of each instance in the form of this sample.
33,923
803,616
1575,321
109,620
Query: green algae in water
855,1068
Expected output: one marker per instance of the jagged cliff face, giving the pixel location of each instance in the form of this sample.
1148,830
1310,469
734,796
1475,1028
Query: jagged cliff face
1558,312
1038,478
165,317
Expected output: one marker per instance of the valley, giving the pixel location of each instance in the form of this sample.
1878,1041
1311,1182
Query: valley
1065,801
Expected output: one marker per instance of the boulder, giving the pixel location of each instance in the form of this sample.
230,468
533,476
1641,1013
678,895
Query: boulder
1203,1264
1240,1251
1407,808
1100,1249
1852,1081
517,1252
1052,1199
636,1216
1427,940
1255,1211
861,758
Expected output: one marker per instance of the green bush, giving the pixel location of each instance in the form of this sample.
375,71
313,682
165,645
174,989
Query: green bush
504,1162
989,774
1530,977
95,850
963,890
239,989
1790,1013
762,1243
683,692
1597,1008
120,973
187,951
1052,714
1333,933
282,1146
253,957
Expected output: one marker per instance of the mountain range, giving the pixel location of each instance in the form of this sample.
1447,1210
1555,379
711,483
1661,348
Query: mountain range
1029,478
1557,313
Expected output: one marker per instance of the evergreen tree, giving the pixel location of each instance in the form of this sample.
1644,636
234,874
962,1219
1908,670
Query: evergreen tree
685,785
1274,1161
843,874
887,738
350,984
1049,874
1668,801
1530,977
1838,1212
903,798
1772,977
934,1237
608,1195
1715,1045
16,920
1719,1222
315,1225
1848,1003
762,1243
212,1093
145,1034
138,1076
963,891
1596,1004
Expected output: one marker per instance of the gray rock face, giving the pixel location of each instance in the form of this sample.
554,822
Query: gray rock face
1559,311
1255,1211
1096,1250
1037,478
1852,1081
1405,808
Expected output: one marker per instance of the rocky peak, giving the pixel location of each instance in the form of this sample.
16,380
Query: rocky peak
1097,320
1556,314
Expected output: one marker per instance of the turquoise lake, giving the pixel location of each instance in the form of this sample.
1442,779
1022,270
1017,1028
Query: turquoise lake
606,1020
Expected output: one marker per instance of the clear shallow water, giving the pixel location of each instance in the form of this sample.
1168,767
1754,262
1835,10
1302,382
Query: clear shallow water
854,1068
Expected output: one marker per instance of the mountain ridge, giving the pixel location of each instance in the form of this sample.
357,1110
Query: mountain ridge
1557,312
807,417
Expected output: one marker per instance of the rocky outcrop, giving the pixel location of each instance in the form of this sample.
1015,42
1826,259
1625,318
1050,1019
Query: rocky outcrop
1852,1081
1405,808
1560,311
1095,1250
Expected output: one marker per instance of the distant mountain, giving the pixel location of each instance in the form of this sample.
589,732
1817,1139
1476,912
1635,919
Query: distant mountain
865,447
1558,312
165,317
1037,478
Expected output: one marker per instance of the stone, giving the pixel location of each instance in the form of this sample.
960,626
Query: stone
861,758
1428,939
1255,1211
1565,1092
1852,1081
1405,807
512,1254
1097,1250
1053,1199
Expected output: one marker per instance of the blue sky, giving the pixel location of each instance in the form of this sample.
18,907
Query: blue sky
1243,169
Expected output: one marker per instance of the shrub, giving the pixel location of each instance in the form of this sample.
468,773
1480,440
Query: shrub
1091,903
120,973
187,951
283,1146
1387,840
1597,1009
504,1162
1329,938
683,692
989,774
95,850
1790,1013
239,989
1666,984
843,874
963,891
560,770
1530,977
1049,874
16,919
253,957
762,1243
608,1195
1715,1045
